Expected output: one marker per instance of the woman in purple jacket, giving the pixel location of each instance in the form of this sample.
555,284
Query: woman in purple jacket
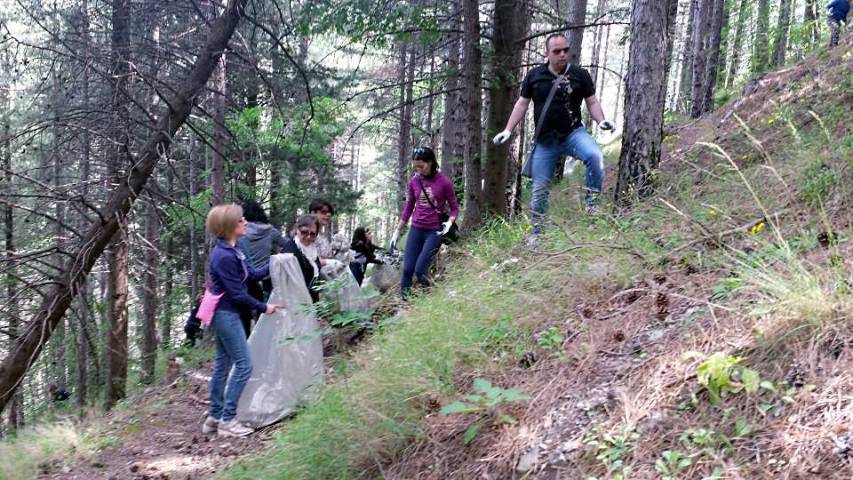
429,193
229,272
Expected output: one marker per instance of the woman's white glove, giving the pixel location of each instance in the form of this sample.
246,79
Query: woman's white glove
394,238
502,137
335,265
607,125
445,227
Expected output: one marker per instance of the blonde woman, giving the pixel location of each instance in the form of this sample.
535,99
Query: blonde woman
228,295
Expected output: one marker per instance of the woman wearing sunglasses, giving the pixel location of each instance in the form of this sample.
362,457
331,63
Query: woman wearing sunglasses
304,247
429,194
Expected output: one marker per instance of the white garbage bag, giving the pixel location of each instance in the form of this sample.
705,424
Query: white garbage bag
286,350
386,275
342,289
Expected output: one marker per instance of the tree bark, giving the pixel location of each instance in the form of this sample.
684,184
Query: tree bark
577,16
645,91
473,63
701,41
219,132
151,260
102,229
737,42
117,258
780,43
810,25
712,65
453,138
686,80
761,40
404,132
596,43
509,25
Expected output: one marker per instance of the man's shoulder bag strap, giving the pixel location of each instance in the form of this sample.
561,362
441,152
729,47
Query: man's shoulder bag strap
527,168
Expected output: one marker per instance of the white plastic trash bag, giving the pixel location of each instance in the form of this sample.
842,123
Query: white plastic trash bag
286,350
342,289
386,275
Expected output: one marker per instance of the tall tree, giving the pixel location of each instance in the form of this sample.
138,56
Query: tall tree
453,131
576,18
712,63
117,257
598,34
701,42
473,70
686,80
737,42
810,24
180,99
780,42
645,92
761,40
405,76
509,27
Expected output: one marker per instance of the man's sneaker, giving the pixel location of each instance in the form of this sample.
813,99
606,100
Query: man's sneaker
594,211
210,425
232,428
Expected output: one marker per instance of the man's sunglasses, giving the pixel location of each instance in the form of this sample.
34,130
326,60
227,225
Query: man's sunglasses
558,51
307,233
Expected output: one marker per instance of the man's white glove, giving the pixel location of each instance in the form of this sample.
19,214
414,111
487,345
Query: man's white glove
502,137
445,227
394,238
607,125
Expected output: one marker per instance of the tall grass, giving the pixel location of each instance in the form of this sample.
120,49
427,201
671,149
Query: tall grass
362,420
23,456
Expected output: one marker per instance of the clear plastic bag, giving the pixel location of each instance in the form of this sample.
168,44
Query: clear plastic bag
286,350
343,290
386,275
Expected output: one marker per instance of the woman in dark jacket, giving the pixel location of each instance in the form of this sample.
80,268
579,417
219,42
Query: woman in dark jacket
229,273
304,248
365,253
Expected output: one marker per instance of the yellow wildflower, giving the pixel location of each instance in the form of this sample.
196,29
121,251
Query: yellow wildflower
757,228
771,120
713,213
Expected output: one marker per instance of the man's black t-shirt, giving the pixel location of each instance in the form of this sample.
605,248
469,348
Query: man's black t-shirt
564,114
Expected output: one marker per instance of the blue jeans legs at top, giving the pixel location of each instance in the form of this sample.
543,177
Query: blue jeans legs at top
421,246
578,144
231,350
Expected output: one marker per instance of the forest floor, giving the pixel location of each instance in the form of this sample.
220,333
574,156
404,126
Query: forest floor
156,434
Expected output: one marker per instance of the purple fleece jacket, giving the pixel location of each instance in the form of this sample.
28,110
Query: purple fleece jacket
440,190
229,272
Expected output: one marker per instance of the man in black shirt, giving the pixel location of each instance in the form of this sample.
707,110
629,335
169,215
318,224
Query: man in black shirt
562,132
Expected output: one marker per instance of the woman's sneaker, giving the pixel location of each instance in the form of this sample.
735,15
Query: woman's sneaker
210,425
232,428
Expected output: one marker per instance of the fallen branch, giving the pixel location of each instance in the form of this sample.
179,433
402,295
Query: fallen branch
718,237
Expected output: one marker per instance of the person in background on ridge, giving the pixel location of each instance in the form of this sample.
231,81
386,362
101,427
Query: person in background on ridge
229,272
262,241
429,192
365,253
836,15
562,132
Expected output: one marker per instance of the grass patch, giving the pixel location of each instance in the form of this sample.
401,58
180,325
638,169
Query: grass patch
36,450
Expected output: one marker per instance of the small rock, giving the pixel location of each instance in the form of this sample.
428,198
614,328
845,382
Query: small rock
134,468
194,440
527,461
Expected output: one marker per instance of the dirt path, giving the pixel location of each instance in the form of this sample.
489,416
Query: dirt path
157,435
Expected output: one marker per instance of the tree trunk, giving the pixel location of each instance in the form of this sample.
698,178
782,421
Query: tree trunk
219,132
404,132
737,43
117,257
596,43
577,17
780,43
761,40
453,133
151,260
473,64
701,43
686,81
713,60
509,25
645,91
810,25
121,199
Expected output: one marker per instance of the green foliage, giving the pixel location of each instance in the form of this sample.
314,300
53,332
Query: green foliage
671,463
551,340
33,449
819,181
486,403
721,374
725,287
613,450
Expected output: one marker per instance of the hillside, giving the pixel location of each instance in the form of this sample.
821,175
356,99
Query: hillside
704,334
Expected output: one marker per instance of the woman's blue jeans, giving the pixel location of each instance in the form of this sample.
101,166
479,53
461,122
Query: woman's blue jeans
421,246
231,350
